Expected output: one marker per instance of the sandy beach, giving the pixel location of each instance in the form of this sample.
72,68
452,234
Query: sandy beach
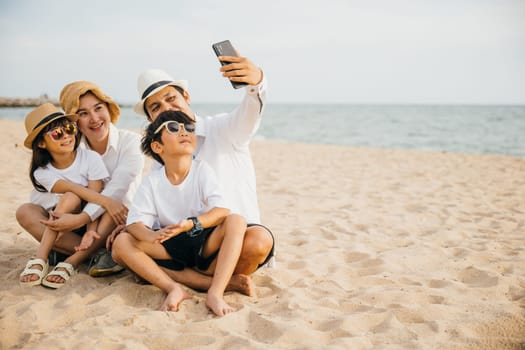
376,249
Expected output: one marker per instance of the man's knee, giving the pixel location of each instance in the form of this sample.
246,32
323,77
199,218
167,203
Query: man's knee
257,242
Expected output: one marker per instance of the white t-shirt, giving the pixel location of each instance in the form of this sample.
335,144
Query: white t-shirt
157,201
88,165
125,162
223,142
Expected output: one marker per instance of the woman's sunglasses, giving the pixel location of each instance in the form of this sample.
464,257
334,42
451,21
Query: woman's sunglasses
174,127
58,133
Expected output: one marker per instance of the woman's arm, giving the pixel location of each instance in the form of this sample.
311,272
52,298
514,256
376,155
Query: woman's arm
116,210
88,194
126,174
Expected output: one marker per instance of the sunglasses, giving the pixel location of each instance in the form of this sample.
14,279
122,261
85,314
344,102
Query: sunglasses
174,127
59,132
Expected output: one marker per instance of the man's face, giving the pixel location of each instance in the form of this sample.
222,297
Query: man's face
167,99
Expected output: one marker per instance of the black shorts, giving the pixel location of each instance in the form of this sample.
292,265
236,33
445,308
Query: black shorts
185,251
200,262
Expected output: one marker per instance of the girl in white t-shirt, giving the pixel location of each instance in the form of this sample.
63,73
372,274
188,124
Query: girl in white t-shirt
179,218
57,160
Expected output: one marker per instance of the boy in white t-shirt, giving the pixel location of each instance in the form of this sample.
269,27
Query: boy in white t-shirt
184,199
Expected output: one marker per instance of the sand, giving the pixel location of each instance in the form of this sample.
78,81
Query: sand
377,249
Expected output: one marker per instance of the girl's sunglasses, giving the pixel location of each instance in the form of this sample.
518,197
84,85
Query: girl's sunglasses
58,133
174,127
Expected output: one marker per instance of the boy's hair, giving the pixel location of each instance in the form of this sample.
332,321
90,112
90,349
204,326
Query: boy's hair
41,156
149,133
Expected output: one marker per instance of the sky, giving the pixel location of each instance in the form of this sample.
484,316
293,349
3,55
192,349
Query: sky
331,51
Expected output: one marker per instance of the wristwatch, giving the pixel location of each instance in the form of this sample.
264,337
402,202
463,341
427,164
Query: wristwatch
197,227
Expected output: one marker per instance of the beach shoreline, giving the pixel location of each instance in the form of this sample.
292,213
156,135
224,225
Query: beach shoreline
376,248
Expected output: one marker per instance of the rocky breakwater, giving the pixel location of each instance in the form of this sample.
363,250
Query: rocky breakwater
26,101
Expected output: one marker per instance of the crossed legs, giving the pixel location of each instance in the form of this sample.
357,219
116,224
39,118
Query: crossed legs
256,247
227,238
29,216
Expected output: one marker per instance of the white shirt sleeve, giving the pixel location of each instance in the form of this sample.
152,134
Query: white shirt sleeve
143,207
240,125
46,178
96,168
129,167
210,187
88,165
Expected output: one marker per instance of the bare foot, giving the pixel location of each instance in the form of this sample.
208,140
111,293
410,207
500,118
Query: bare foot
241,284
218,305
174,298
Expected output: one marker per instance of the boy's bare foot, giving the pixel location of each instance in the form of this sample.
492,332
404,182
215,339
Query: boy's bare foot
176,296
241,284
218,305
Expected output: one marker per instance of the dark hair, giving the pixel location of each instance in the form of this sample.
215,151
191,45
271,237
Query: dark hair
149,133
41,156
178,88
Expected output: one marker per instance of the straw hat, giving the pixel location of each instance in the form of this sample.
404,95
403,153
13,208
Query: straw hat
152,81
39,118
70,98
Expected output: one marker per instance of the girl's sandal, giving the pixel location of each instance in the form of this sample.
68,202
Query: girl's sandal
32,271
70,270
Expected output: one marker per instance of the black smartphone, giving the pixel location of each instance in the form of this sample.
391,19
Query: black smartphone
225,48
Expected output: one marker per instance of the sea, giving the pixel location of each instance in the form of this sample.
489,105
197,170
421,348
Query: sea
473,129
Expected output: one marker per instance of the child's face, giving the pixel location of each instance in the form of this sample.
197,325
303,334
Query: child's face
177,138
61,138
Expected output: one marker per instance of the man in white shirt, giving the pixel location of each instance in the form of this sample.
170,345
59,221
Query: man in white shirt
223,142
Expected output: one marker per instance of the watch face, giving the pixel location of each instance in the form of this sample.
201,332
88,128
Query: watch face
196,223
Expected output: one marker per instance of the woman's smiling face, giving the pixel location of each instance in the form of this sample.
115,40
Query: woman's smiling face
93,118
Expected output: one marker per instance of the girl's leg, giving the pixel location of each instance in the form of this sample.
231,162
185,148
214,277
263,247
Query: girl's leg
29,216
104,228
67,202
228,239
46,243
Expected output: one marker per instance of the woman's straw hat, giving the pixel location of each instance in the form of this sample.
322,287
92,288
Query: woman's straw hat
71,93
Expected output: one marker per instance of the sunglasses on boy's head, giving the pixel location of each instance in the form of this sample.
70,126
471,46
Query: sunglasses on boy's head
174,127
58,133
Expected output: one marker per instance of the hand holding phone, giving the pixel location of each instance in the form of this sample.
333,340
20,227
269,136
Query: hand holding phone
225,48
